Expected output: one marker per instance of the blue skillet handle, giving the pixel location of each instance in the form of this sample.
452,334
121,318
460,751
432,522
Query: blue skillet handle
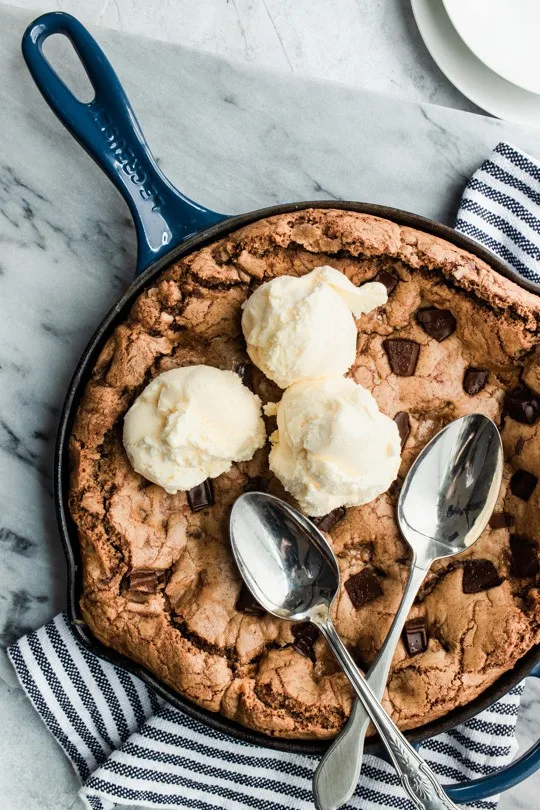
501,780
109,131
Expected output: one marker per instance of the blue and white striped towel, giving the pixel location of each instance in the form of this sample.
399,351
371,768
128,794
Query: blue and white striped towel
131,748
501,209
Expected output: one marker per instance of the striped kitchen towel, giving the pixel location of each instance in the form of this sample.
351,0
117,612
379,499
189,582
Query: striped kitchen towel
130,748
501,209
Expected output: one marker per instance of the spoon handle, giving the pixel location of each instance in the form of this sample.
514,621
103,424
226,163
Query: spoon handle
417,778
336,777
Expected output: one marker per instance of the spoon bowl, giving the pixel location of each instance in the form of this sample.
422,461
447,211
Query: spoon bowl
451,489
283,558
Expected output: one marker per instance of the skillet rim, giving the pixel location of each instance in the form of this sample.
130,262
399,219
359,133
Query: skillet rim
68,529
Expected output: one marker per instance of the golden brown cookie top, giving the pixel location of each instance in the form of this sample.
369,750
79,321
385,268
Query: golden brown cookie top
160,584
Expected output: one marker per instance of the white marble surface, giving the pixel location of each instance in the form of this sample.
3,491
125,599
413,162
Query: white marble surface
366,43
234,138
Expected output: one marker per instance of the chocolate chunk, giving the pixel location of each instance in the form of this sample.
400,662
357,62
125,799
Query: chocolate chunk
438,323
522,484
402,355
144,580
363,588
415,636
304,647
403,425
201,496
245,372
524,556
246,603
305,635
475,380
305,629
327,522
479,575
389,281
522,405
501,520
257,484
519,446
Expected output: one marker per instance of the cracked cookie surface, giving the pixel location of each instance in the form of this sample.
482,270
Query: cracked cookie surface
160,584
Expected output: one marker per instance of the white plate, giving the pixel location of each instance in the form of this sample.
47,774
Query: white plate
470,75
503,34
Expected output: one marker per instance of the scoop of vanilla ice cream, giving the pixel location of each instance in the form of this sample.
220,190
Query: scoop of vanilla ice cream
190,424
303,328
333,447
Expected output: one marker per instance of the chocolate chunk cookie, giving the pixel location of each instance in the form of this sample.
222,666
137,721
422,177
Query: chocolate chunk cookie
160,583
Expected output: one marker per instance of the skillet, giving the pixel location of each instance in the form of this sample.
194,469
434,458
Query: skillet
169,226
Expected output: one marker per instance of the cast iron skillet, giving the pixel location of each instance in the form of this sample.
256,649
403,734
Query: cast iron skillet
169,226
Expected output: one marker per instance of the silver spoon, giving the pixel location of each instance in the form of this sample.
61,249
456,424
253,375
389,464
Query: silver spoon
292,572
445,503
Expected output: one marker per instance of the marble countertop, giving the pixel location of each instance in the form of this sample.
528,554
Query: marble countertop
67,246
374,43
